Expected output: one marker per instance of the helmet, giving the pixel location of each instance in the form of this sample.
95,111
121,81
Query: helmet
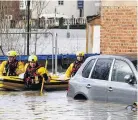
32,58
12,53
80,54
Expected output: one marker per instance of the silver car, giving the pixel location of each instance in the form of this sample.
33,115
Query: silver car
108,78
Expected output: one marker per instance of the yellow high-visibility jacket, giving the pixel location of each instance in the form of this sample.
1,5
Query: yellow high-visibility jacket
69,70
39,71
19,69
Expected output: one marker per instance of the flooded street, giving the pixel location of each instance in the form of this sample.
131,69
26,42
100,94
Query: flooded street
29,105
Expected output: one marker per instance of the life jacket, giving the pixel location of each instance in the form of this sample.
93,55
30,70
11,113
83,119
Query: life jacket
31,75
76,66
10,68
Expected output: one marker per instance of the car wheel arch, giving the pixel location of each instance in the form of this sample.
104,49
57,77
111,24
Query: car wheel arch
81,96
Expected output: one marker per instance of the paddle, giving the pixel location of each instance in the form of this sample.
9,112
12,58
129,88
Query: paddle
42,86
43,81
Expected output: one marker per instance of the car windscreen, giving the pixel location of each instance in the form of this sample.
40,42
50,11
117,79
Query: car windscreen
135,63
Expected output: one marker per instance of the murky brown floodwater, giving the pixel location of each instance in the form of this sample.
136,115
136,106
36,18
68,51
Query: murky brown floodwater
29,105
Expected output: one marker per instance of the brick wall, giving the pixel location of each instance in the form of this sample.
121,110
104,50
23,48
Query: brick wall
10,8
118,29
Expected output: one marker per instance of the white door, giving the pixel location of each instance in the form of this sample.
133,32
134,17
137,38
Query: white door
99,79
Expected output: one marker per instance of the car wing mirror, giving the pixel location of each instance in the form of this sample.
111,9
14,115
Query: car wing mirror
129,79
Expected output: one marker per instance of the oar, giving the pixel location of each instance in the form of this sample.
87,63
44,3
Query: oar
42,86
43,81
46,64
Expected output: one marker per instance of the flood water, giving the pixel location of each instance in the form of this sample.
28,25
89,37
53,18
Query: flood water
55,105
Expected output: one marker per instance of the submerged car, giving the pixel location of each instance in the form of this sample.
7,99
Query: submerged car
108,78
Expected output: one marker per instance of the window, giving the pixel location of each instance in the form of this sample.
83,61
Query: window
87,68
21,4
60,2
120,70
102,69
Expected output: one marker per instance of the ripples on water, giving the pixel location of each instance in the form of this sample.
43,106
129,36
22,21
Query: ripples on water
29,105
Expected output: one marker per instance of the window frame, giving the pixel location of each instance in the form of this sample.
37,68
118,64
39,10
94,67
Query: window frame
60,2
115,59
109,70
93,68
95,59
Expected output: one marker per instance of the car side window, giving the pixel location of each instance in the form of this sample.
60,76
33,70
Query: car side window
102,69
87,68
120,70
135,63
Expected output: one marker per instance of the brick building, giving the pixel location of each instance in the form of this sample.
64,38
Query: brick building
9,10
118,27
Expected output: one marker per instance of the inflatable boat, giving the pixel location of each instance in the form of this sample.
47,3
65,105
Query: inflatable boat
16,83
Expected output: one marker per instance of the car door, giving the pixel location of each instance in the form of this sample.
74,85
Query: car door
82,84
118,89
98,79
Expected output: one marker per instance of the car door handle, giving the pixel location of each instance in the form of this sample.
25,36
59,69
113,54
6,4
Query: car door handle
88,86
110,89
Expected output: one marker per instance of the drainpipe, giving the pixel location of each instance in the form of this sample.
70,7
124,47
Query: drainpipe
28,25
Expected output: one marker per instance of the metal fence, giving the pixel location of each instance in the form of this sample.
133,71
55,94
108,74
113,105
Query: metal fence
18,45
45,23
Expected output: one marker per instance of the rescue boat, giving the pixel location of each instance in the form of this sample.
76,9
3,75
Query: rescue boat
16,83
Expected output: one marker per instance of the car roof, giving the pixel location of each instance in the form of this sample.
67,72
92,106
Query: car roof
131,57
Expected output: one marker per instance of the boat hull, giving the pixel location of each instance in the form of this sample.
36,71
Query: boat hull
14,83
